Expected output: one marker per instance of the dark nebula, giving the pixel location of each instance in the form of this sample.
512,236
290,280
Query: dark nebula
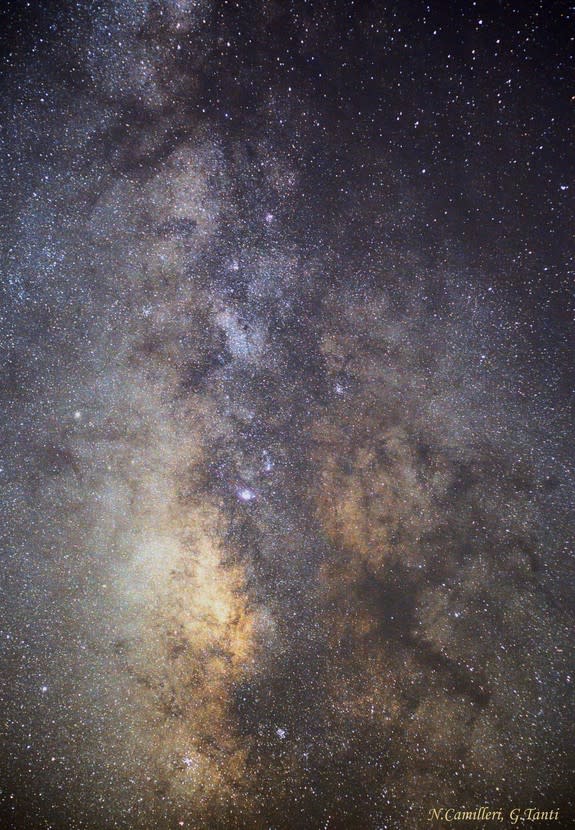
287,405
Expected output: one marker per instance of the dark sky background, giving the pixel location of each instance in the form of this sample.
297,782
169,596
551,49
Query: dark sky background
287,413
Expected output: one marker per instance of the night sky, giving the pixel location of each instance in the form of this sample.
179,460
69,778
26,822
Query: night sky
287,371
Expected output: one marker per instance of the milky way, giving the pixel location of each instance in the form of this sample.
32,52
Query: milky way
287,463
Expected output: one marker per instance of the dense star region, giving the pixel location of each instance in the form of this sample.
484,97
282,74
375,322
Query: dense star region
287,434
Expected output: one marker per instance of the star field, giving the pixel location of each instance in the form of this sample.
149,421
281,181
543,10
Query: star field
286,464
